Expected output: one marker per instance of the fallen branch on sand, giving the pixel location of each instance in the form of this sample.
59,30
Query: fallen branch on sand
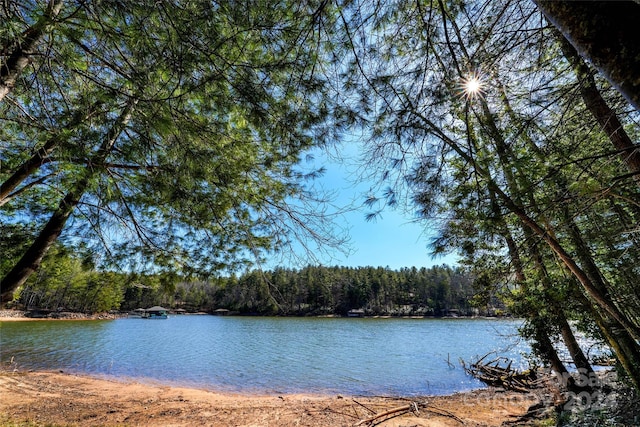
413,407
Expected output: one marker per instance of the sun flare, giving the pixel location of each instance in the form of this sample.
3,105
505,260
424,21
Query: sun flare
472,86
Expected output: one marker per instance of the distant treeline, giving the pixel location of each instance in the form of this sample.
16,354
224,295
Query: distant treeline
314,290
67,283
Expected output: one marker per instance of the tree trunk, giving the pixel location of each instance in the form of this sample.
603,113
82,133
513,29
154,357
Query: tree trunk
575,351
504,154
605,116
600,297
19,56
40,157
541,336
32,258
568,337
623,345
546,347
605,33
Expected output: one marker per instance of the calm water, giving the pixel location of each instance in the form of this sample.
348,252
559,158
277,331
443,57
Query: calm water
274,355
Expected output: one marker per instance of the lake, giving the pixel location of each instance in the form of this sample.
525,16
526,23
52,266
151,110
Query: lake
268,355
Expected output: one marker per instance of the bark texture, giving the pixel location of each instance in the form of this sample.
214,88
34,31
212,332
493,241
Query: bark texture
605,33
22,49
599,108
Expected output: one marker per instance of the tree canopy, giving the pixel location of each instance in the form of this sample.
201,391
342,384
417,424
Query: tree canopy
168,135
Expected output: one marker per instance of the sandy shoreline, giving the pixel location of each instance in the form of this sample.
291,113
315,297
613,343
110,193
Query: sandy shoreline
54,398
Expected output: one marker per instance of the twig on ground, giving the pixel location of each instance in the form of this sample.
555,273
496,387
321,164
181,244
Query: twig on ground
395,412
444,413
364,406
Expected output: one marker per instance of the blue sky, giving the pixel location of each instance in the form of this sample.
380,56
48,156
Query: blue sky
393,239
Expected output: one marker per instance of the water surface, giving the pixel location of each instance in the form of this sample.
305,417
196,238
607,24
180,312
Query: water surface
272,355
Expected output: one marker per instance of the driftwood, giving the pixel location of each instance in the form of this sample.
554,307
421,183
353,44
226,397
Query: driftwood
413,407
493,374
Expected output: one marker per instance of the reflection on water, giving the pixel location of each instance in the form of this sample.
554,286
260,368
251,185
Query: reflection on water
352,356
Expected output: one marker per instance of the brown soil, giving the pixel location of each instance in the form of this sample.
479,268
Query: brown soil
58,399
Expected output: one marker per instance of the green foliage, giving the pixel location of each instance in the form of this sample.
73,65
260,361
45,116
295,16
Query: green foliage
316,290
167,137
64,284
13,241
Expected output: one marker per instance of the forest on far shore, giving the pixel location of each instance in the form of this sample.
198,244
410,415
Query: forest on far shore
70,283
